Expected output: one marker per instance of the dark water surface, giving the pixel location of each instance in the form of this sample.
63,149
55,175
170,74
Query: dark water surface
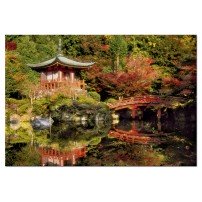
148,142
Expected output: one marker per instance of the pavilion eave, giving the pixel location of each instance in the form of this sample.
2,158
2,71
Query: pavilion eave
61,60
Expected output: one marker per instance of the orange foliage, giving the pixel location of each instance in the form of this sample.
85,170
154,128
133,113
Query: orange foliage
132,64
137,78
171,81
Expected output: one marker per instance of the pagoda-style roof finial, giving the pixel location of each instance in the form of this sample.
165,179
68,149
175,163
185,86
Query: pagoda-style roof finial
60,47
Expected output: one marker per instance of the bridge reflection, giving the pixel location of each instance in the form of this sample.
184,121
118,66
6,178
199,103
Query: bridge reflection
137,132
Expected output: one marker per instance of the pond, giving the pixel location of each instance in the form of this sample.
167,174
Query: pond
146,142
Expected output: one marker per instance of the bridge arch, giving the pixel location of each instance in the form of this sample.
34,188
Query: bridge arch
134,104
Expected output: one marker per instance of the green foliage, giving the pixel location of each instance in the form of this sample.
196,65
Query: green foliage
24,108
95,141
107,69
10,84
58,100
118,49
30,49
167,50
28,156
35,48
22,135
136,46
86,100
94,95
118,45
19,78
18,106
71,44
168,53
41,106
111,100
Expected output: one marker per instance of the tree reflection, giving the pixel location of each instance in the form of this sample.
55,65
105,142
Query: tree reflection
128,143
141,143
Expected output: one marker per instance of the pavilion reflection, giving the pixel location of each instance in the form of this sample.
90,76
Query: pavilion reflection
54,157
65,144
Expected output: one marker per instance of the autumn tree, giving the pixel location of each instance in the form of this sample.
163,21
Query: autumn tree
161,64
137,80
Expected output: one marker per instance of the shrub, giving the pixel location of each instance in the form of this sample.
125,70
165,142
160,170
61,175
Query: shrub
86,100
111,100
60,101
27,156
41,106
23,108
94,95
17,106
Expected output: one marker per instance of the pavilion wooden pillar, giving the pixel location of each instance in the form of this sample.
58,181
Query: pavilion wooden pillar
42,160
60,75
72,76
73,159
43,77
61,161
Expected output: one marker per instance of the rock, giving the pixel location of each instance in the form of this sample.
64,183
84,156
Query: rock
15,126
42,123
14,118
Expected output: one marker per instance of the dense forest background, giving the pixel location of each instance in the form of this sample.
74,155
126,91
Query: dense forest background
126,65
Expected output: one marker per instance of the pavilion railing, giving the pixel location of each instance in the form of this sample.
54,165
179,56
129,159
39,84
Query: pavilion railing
55,84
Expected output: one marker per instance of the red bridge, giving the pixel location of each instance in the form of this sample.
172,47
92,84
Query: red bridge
134,103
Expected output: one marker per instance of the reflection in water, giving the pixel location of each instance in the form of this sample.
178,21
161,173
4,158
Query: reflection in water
52,157
136,132
171,142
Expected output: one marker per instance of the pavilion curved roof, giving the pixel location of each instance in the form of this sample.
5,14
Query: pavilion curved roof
60,59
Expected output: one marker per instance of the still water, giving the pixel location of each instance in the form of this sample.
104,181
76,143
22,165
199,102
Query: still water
171,142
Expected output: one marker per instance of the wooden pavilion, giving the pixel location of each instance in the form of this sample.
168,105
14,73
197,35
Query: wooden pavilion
60,72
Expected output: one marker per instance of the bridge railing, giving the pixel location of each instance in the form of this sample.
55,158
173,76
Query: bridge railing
136,100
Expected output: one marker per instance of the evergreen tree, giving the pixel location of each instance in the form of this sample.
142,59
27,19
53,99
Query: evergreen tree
118,49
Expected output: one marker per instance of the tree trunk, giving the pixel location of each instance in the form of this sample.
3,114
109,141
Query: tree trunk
113,64
117,62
